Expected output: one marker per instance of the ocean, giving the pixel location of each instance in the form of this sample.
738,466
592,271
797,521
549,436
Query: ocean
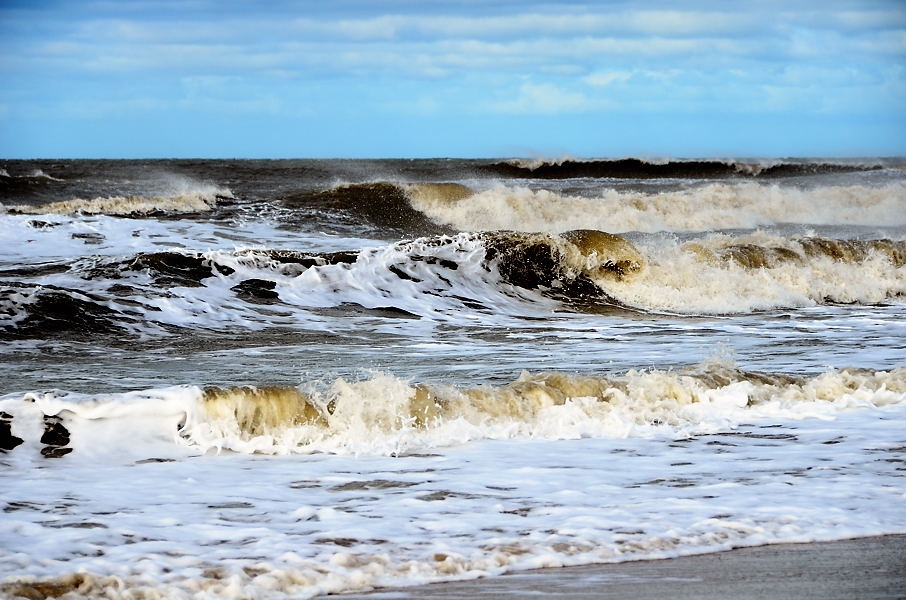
289,378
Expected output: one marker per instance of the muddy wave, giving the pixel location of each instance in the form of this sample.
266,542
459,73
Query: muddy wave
183,203
384,205
714,206
383,414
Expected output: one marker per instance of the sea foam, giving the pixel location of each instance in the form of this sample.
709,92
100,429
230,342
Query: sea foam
704,207
386,415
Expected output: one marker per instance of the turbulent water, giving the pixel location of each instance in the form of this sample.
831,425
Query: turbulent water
236,378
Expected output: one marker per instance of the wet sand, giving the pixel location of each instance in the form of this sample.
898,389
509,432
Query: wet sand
871,568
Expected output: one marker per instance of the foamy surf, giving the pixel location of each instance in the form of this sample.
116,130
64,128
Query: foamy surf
741,274
381,460
171,195
385,415
129,205
492,277
695,208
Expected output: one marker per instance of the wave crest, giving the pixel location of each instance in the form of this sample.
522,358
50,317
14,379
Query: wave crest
713,206
386,205
490,275
636,168
735,275
195,202
383,414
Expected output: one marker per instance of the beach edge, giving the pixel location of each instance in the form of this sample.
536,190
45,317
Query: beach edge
864,567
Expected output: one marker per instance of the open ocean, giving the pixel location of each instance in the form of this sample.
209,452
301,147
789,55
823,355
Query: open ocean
287,378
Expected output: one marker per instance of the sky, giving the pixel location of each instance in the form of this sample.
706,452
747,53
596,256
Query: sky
467,78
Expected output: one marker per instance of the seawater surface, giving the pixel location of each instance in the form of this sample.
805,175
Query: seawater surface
287,378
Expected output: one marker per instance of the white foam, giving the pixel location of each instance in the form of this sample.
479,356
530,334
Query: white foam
678,279
705,207
114,428
122,205
172,194
51,237
410,276
559,494
385,415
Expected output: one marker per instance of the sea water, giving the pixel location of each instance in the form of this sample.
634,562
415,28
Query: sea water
291,378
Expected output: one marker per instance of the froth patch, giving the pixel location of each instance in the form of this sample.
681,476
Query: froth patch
75,585
386,415
722,274
128,205
699,208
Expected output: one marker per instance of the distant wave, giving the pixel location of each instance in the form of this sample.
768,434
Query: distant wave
40,174
19,187
683,169
384,415
446,207
201,200
147,195
721,205
32,175
383,204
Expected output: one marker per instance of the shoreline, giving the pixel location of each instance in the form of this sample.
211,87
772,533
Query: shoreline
866,568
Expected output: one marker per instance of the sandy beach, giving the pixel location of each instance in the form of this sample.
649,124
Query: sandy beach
865,568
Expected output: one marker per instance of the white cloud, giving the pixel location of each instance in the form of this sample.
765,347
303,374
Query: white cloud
885,42
870,19
605,78
689,23
568,21
543,98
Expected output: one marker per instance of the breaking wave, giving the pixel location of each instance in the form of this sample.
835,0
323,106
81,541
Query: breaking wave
382,204
418,209
740,274
491,275
191,202
707,207
168,194
386,415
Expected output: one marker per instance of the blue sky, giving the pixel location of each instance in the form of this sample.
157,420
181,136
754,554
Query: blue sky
401,78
